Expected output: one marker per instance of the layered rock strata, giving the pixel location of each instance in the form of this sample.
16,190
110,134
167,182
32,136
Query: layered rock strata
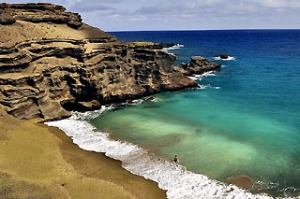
51,63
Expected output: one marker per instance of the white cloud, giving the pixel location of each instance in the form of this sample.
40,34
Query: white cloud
283,4
183,14
202,3
92,5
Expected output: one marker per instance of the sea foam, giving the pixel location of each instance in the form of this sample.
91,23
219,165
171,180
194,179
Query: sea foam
175,47
198,78
174,178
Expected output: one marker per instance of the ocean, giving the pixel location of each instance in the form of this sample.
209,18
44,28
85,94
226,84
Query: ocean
243,120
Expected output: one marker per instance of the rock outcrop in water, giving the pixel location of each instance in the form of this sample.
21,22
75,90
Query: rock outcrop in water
197,65
52,63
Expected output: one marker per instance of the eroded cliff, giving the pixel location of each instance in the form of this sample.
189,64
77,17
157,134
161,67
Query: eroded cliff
52,63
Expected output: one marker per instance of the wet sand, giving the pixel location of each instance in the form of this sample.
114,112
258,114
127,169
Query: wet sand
242,181
37,161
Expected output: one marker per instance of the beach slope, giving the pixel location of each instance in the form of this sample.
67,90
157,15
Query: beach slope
37,161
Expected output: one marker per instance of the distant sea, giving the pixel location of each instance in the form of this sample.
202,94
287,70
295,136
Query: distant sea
243,120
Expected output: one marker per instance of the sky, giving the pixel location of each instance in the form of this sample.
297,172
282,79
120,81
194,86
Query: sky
133,15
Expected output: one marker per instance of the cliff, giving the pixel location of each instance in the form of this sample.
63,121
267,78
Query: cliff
52,63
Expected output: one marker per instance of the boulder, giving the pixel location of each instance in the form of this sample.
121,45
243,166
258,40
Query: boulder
87,106
223,56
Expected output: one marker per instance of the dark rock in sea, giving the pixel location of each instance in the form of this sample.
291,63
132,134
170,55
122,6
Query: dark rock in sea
168,45
149,99
51,63
223,56
197,65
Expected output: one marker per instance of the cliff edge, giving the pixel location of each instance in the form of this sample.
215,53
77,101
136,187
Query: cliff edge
52,63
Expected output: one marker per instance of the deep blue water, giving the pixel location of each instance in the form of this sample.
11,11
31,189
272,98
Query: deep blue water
246,121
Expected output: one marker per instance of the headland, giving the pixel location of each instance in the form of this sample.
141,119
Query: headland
51,63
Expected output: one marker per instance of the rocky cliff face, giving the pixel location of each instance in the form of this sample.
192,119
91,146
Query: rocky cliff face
52,63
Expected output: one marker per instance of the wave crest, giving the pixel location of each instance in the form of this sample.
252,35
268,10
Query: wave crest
175,179
175,47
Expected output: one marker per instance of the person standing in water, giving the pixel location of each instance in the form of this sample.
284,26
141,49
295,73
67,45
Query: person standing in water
176,159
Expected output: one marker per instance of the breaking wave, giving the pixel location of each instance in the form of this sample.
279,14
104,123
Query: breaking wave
175,47
174,178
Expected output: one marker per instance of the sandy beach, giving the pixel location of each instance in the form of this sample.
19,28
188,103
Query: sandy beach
37,161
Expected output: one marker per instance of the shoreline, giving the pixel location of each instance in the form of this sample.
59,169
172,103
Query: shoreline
45,161
61,64
175,179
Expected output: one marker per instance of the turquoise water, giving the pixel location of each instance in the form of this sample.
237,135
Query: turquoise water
245,121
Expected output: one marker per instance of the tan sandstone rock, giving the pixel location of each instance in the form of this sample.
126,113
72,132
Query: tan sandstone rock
51,63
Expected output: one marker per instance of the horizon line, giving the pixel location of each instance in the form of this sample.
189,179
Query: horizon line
236,29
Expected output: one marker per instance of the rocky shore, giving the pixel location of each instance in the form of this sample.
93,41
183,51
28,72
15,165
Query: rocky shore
52,63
